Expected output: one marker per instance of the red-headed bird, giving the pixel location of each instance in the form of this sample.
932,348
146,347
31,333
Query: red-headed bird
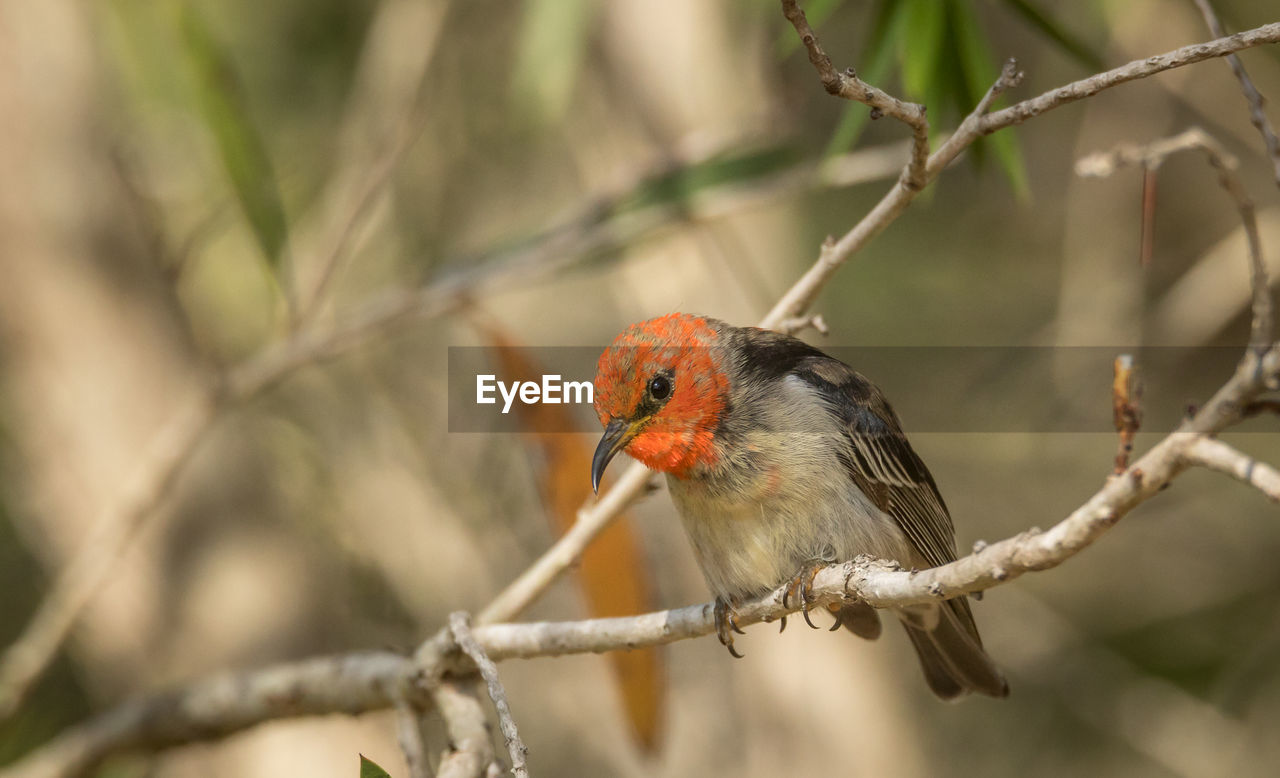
780,458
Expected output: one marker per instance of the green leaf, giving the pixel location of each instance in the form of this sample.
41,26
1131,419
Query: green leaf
370,769
950,96
549,55
1078,49
920,45
225,111
1008,153
976,61
680,185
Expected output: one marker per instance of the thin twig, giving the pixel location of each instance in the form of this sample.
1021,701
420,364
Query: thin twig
1147,231
591,521
974,125
802,323
1257,116
1151,156
373,184
1216,455
1139,68
460,626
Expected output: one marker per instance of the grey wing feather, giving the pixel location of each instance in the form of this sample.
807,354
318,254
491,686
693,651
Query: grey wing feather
883,464
913,502
890,473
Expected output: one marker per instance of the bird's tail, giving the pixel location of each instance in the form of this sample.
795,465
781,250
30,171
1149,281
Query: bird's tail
950,650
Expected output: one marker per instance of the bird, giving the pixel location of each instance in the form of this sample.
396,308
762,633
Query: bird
780,459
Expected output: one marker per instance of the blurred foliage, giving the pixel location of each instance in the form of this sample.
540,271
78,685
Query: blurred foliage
1201,650
242,150
60,700
685,182
553,41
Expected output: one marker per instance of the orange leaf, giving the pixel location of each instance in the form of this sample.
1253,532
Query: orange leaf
613,575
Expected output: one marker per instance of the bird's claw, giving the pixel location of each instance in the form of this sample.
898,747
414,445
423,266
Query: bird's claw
727,624
801,587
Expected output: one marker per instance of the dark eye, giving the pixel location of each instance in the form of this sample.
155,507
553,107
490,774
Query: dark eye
660,387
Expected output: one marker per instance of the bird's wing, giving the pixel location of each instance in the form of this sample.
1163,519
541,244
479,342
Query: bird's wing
883,464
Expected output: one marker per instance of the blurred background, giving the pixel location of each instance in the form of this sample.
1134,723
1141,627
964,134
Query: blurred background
184,185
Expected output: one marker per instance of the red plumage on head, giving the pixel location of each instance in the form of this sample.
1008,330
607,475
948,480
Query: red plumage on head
679,436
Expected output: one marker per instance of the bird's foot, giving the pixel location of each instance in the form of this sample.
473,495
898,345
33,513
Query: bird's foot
727,624
800,589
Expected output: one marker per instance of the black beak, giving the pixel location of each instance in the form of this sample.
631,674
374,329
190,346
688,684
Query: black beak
617,434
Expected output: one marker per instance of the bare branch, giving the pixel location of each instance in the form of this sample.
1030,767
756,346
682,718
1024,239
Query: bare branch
1140,68
802,323
592,519
846,84
972,127
460,626
1257,116
223,704
1216,455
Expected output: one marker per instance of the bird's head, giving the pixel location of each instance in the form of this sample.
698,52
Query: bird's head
660,390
